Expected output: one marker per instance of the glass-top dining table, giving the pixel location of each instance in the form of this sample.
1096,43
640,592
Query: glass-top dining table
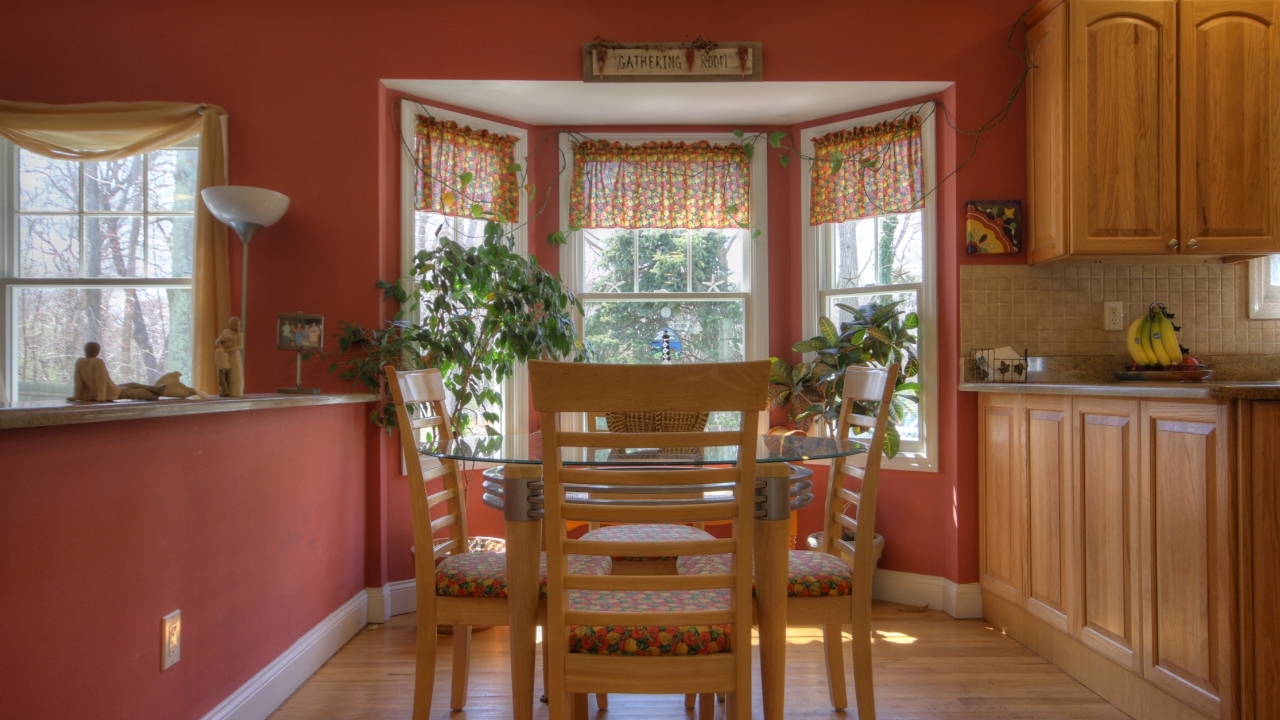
514,487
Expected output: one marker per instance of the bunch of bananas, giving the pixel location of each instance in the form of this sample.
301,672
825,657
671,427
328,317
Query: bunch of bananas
1153,339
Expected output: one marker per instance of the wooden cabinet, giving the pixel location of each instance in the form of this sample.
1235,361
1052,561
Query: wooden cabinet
1153,129
1110,521
1187,567
1259,531
1229,53
1106,479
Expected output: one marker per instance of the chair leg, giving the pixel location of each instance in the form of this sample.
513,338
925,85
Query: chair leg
707,706
720,697
689,700
425,672
602,701
863,689
461,665
578,706
546,678
832,642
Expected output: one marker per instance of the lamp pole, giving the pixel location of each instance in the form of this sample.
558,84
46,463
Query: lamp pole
246,230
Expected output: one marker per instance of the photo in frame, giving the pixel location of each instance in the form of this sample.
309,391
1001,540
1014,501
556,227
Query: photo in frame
300,332
993,227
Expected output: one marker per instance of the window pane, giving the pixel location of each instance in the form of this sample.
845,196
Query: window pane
717,260
696,331
171,180
172,241
113,246
663,261
114,185
609,261
144,333
47,185
49,246
909,428
468,232
887,250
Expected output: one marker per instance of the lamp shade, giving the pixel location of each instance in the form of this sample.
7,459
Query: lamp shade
241,204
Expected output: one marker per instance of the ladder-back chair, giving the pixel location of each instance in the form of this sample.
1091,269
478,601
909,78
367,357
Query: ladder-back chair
822,586
602,631
465,588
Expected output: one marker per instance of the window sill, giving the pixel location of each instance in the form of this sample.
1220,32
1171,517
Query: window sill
55,412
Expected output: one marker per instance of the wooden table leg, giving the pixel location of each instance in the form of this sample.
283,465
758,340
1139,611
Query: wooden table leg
524,542
771,539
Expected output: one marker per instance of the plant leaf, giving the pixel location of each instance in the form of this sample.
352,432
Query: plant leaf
775,138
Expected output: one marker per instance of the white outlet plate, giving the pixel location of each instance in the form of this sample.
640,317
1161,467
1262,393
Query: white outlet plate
1113,316
171,639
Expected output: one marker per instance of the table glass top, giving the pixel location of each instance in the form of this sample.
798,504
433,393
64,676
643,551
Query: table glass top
527,449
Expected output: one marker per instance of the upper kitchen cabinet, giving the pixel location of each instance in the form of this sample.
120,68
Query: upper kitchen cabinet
1153,129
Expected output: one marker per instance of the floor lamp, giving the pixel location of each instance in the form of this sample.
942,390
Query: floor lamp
247,210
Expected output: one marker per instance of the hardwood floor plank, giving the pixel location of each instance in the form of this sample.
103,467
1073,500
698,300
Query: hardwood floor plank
927,666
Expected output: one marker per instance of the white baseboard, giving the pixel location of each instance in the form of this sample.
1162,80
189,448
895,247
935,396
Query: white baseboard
939,593
392,599
264,692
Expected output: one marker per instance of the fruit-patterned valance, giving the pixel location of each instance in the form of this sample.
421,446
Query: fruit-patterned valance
660,185
459,168
867,171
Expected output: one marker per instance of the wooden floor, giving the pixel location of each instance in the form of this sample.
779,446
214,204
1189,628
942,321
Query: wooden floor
928,665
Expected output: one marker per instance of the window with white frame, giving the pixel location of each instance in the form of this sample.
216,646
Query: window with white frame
885,258
95,251
670,294
421,230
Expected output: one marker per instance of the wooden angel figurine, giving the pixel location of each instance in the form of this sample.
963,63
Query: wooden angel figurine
92,382
228,357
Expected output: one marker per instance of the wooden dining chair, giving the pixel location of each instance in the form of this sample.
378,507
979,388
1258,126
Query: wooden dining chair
822,588
455,587
651,634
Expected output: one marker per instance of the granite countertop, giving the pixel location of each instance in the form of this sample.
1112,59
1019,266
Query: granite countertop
44,413
1229,390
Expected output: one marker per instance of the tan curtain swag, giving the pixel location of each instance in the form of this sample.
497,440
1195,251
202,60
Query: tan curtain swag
110,130
881,172
659,185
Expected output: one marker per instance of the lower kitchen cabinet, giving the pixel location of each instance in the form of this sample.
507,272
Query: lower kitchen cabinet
1112,522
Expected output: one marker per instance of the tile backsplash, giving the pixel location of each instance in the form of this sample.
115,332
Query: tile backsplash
1057,309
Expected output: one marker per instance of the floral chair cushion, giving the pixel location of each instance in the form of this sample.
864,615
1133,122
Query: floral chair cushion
654,640
809,574
647,533
484,574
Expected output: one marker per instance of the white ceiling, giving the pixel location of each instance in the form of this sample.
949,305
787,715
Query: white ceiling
730,103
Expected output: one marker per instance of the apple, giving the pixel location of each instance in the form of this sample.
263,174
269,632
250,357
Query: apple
1188,363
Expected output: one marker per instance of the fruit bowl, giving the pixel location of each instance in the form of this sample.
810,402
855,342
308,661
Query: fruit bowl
1200,374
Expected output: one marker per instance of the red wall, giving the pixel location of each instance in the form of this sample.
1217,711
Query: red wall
310,118
251,523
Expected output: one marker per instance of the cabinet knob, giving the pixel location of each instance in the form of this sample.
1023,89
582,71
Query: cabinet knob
1173,244
1193,244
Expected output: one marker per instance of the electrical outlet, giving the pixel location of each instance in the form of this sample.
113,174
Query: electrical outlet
171,639
1113,316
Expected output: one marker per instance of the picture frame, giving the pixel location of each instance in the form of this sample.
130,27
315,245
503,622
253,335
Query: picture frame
300,332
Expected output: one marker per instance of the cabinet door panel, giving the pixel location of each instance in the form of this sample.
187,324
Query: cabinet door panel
1107,495
1230,113
1123,127
1002,502
1047,140
1049,555
1186,532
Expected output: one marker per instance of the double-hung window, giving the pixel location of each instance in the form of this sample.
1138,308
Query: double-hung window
686,281
421,229
95,251
884,254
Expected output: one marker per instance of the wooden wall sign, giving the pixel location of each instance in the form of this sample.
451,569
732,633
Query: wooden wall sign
672,62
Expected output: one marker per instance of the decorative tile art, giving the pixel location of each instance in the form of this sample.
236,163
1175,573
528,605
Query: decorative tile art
993,227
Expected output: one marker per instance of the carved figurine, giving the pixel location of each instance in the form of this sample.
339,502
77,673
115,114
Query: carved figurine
228,357
93,383
175,388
